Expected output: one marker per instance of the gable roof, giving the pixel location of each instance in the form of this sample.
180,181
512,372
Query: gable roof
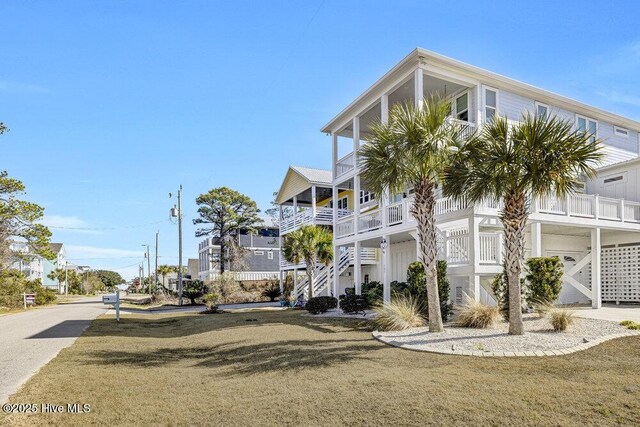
423,56
55,247
299,179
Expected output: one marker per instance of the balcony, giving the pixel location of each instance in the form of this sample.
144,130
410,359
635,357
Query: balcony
367,256
323,216
345,164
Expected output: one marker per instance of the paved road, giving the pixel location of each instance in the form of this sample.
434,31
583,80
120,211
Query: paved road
31,339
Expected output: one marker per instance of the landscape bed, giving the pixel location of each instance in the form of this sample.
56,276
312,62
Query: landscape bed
283,368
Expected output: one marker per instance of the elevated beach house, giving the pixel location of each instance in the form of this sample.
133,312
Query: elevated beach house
595,232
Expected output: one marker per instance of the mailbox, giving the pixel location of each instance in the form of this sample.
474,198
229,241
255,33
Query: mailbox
30,299
110,299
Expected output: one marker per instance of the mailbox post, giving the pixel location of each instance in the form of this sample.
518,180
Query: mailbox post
113,299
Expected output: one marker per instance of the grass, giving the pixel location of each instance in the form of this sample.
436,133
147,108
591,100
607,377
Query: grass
279,367
560,318
402,313
630,324
474,314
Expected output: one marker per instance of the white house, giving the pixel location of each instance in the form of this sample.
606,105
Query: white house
35,266
596,233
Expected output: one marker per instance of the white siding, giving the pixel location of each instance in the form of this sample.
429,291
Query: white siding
402,254
513,105
629,189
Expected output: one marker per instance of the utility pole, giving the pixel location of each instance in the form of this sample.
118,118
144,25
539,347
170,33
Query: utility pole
148,266
177,213
141,274
155,278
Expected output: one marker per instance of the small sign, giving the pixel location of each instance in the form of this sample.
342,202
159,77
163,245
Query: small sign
30,298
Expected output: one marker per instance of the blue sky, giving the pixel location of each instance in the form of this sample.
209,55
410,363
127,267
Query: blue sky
113,104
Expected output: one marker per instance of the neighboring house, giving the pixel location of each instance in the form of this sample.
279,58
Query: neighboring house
193,267
35,266
260,254
596,233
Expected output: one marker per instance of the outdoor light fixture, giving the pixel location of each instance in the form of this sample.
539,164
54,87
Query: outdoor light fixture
383,244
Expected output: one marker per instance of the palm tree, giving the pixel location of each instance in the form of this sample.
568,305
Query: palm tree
537,157
58,275
164,270
312,244
412,148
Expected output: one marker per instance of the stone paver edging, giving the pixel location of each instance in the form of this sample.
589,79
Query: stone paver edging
537,353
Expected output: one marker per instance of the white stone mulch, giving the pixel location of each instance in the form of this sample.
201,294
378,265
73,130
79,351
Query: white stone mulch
539,340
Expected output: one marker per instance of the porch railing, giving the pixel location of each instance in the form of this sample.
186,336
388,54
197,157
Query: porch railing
345,164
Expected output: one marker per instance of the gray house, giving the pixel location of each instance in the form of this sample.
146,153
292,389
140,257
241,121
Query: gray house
250,256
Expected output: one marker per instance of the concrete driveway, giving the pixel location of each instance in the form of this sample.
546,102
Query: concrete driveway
615,313
30,339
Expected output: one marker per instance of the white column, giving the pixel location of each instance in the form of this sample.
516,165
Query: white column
357,268
356,139
356,202
334,146
313,203
419,88
386,271
596,296
474,281
384,108
336,276
536,239
295,209
478,104
281,281
295,281
334,200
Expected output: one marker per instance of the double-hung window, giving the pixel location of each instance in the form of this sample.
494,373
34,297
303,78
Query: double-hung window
343,203
587,125
490,103
542,110
462,107
366,197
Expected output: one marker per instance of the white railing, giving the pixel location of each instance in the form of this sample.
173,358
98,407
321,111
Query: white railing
551,205
323,216
449,204
345,227
609,209
395,213
490,248
581,205
370,221
457,249
345,164
632,211
367,255
247,275
466,128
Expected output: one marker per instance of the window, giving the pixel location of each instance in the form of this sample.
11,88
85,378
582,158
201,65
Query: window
343,203
366,197
270,255
258,252
490,103
585,124
613,179
462,107
621,132
542,109
366,279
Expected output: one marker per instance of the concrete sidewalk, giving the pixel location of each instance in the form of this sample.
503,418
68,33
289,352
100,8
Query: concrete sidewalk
612,312
29,340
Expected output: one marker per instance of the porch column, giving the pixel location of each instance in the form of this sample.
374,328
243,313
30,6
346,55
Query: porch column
474,282
356,202
295,209
313,203
335,155
281,281
596,296
336,276
419,88
295,281
536,239
386,267
478,105
357,268
384,108
356,140
334,201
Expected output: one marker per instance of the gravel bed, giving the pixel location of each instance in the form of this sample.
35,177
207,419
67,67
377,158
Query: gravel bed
539,336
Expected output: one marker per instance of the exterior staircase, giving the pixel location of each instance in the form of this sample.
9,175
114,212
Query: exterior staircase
323,277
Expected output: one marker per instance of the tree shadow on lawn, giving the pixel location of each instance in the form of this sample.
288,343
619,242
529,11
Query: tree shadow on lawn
238,359
179,325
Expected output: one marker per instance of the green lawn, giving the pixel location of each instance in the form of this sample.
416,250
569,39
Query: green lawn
273,367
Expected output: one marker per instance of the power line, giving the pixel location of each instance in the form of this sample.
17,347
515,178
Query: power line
123,227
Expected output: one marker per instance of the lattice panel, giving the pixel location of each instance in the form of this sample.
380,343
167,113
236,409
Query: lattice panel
621,274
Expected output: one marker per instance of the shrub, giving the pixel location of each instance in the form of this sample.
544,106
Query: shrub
544,280
474,314
417,287
13,284
630,324
402,313
272,291
560,318
372,292
353,303
193,290
500,289
317,305
211,299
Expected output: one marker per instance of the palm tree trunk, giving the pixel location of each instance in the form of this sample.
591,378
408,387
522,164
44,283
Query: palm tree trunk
423,211
311,265
514,218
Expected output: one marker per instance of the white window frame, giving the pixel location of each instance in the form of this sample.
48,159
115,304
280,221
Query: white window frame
587,120
541,104
344,199
258,252
455,105
366,197
484,102
622,180
625,131
270,255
